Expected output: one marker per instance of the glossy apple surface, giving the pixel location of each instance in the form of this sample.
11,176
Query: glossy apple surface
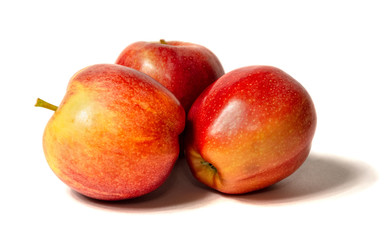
250,129
186,69
115,134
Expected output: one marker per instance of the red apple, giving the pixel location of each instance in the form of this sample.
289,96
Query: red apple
186,69
250,129
115,134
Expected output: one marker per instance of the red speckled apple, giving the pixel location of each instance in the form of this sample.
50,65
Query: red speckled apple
115,134
250,129
186,69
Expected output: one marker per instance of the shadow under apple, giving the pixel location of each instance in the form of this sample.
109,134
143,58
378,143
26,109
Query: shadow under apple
319,177
180,191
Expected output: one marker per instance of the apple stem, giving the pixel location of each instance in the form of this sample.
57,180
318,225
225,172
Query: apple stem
44,104
162,41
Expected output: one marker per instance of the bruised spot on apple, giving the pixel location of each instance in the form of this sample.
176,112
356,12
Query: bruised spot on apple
115,134
186,69
250,129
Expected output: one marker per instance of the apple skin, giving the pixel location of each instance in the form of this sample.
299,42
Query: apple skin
186,69
250,129
115,134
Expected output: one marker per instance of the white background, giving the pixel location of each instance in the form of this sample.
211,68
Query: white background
336,49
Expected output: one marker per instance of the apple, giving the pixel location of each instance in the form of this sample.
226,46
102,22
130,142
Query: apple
186,69
115,134
250,129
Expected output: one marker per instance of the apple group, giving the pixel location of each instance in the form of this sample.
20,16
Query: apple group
118,131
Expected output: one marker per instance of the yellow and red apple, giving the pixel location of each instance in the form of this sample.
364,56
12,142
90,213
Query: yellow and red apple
250,129
115,134
186,69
